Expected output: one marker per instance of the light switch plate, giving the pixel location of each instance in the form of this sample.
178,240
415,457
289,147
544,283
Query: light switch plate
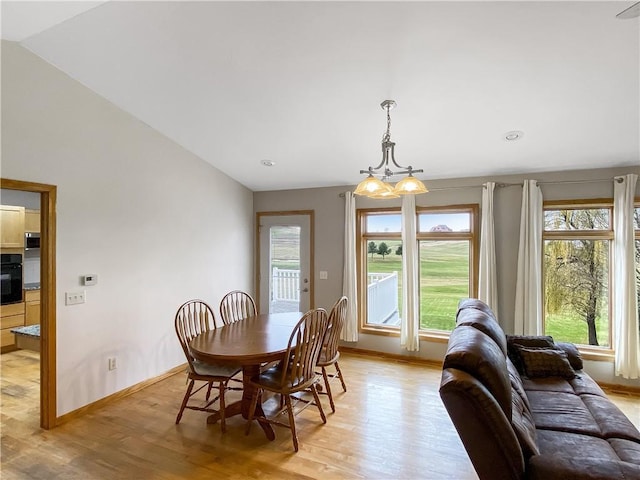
74,298
323,275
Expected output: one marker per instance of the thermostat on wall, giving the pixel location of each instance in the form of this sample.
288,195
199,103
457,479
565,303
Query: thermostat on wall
90,279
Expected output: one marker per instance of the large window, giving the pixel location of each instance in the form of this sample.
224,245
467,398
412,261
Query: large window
577,259
446,240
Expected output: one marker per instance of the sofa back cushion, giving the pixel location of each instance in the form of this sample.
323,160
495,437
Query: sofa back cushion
477,354
485,322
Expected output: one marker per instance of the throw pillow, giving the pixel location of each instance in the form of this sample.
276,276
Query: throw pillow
572,354
546,362
514,341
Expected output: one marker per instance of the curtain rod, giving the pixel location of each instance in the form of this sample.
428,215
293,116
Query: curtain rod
503,185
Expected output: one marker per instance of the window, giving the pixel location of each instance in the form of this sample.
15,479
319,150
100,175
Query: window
577,258
446,238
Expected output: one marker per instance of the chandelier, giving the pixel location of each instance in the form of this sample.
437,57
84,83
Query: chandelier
375,187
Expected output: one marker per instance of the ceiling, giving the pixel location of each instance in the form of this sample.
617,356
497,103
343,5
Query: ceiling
300,83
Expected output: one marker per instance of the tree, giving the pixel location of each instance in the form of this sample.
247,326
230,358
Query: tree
399,250
576,270
383,249
372,248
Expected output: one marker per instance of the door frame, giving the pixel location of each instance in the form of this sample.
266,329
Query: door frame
48,369
311,215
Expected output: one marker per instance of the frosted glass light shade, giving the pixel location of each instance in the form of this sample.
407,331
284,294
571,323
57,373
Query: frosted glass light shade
371,186
410,185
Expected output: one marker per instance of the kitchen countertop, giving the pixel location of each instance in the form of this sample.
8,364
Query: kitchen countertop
32,286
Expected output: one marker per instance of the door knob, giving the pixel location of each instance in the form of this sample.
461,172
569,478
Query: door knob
305,289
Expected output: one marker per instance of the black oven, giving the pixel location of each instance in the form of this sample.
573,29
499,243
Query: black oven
11,276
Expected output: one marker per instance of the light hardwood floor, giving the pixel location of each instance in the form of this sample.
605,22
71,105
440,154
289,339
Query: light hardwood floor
389,425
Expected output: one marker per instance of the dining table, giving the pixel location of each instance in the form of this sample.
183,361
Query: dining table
250,343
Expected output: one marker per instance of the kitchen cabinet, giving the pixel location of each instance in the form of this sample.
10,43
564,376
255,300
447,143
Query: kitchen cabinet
11,316
11,227
32,307
32,221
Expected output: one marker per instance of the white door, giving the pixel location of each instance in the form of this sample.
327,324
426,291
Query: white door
285,276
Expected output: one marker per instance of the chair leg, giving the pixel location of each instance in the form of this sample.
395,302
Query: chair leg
292,422
184,401
223,424
344,386
209,391
318,404
252,410
328,388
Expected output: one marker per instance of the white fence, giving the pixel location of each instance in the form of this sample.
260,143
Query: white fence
382,297
285,285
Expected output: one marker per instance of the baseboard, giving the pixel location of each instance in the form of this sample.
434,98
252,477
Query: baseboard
391,356
117,396
617,388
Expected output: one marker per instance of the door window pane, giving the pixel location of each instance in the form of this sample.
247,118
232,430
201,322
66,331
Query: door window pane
285,269
444,280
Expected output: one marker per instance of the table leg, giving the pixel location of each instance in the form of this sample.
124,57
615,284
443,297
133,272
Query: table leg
242,407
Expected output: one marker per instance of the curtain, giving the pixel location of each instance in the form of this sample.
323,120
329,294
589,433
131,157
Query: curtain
528,311
410,322
349,276
625,300
487,282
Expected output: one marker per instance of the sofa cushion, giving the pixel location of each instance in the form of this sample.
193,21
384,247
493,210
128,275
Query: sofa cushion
487,324
627,450
473,352
612,422
548,384
545,362
568,455
563,412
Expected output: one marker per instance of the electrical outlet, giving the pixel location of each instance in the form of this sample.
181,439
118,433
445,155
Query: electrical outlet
74,298
112,363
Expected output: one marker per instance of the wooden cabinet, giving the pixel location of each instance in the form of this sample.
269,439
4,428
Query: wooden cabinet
11,227
32,221
11,316
32,307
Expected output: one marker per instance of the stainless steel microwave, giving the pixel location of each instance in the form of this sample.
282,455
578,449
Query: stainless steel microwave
31,241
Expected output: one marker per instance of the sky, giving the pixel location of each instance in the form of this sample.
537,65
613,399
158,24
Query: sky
458,222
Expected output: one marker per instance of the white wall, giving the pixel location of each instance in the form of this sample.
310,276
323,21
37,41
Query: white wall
329,216
157,225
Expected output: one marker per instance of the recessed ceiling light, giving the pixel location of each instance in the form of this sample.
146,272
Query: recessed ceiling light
513,135
268,163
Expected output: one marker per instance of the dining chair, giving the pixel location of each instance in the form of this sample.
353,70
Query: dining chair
236,305
193,318
330,353
295,372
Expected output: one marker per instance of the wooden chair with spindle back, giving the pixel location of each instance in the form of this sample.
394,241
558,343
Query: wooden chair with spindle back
237,305
193,318
330,353
295,372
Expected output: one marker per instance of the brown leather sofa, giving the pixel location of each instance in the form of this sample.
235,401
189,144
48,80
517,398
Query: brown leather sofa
530,425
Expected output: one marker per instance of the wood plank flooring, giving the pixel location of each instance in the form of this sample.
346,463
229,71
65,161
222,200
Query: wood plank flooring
389,425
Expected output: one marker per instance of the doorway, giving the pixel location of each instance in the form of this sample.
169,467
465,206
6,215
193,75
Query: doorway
48,403
284,261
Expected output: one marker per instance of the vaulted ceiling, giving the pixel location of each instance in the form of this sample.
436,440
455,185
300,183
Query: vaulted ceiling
300,83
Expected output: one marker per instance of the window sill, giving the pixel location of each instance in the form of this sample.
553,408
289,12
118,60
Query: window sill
428,336
596,354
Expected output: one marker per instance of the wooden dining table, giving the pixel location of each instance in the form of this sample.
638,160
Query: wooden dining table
250,343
